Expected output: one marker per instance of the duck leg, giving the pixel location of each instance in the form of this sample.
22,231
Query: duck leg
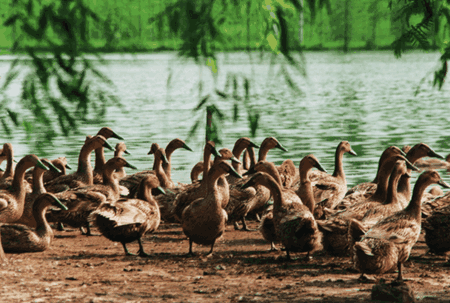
244,225
236,225
288,256
60,226
142,253
272,247
211,251
400,276
190,253
126,249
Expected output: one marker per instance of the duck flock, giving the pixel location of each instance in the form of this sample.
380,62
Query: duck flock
375,223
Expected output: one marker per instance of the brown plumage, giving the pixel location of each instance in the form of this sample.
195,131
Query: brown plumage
359,193
127,220
304,192
12,200
8,176
388,243
170,148
84,174
119,150
21,238
83,200
100,160
294,223
335,227
330,189
240,145
204,220
377,212
28,217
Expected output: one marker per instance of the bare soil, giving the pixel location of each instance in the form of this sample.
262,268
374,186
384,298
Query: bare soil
79,268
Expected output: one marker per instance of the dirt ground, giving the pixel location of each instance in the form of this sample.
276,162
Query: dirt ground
93,269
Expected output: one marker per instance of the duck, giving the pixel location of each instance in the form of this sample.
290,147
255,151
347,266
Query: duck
240,145
387,245
244,200
128,220
19,238
8,175
330,189
8,155
2,158
434,163
60,164
196,190
377,212
132,181
294,223
12,200
335,227
304,193
83,200
437,230
364,190
170,148
119,150
84,174
100,160
28,217
204,220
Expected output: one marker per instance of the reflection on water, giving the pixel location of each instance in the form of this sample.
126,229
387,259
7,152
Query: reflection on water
367,98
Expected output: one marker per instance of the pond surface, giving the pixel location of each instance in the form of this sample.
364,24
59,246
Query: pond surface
370,99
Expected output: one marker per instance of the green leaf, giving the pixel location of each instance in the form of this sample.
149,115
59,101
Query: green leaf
201,103
235,112
13,116
6,126
11,20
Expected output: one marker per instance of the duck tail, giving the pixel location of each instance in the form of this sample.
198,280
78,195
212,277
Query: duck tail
356,230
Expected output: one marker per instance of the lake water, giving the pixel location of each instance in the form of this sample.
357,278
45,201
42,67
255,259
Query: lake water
370,99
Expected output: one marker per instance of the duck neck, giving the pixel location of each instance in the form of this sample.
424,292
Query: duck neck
338,164
206,162
170,148
99,159
84,163
9,170
273,172
17,187
109,180
414,206
277,194
404,185
211,185
145,193
391,197
305,191
237,152
38,181
383,182
43,229
263,151
251,156
159,171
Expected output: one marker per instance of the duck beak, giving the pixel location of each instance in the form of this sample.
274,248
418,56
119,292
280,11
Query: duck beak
164,158
281,147
41,165
186,147
234,173
126,152
68,166
443,184
150,152
130,166
402,153
1,169
352,152
161,190
319,167
409,165
116,136
235,160
432,153
407,175
253,145
59,204
51,166
108,146
215,152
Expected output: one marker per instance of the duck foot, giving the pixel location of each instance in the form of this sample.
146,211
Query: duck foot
245,227
236,226
141,252
273,247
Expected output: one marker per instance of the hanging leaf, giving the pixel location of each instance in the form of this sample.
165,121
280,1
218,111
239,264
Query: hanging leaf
202,102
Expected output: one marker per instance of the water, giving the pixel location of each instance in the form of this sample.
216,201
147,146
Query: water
370,99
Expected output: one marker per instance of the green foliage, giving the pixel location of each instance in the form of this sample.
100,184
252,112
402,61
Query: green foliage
59,85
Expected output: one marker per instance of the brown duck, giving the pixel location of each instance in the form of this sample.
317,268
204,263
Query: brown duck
127,220
204,220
